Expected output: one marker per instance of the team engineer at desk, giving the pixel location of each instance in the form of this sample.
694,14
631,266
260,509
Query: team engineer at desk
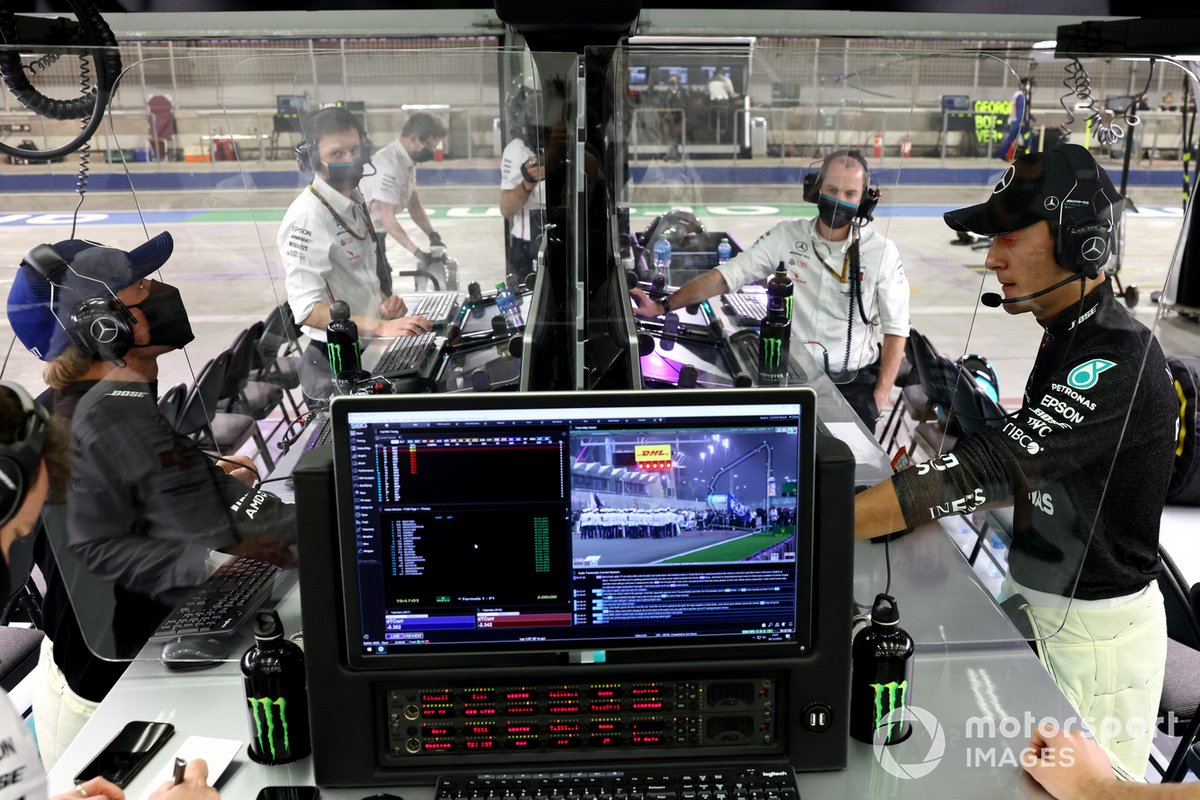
822,255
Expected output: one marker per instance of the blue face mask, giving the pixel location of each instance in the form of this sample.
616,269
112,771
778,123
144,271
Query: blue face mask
345,173
835,213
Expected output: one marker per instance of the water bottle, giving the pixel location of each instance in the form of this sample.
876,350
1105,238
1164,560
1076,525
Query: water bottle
662,260
881,677
276,697
341,341
724,251
774,336
779,290
507,305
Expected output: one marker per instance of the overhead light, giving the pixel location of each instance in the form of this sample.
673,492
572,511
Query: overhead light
1048,44
424,107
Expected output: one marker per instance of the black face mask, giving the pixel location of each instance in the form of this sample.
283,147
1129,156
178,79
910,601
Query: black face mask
422,155
835,213
344,174
166,316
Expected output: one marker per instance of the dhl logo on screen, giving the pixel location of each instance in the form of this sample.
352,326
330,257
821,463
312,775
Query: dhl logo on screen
653,456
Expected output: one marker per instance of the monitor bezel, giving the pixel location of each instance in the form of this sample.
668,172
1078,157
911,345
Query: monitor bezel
552,653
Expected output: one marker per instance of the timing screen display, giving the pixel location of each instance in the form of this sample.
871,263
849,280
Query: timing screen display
588,528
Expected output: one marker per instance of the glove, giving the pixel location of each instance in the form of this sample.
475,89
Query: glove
423,258
435,239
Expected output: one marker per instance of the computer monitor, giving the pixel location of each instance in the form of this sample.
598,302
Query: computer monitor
290,105
540,572
539,527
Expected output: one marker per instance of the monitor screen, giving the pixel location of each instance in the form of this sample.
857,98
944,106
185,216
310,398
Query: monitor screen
637,75
679,72
552,523
290,105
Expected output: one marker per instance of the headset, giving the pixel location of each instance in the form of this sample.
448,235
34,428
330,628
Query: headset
522,108
19,458
1084,238
101,327
308,154
870,198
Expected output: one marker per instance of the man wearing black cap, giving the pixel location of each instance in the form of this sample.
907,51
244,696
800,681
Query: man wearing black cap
1086,477
147,508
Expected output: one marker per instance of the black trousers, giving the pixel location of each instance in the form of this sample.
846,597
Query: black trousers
860,394
521,253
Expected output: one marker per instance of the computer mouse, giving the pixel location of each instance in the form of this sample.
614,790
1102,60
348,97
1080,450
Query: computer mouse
193,653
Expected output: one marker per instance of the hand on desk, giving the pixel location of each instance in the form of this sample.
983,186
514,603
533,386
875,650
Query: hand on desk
264,548
96,787
194,787
404,326
247,474
646,306
393,308
1069,765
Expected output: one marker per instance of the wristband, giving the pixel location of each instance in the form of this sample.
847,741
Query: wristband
665,302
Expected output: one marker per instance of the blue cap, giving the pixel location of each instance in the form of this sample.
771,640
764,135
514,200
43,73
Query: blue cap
96,270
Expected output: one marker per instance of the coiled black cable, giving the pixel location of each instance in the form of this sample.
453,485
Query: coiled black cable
42,64
96,35
85,152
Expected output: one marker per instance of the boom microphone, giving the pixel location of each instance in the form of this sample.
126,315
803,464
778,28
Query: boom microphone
993,300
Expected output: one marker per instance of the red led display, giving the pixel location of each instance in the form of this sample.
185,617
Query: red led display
481,744
437,730
647,705
606,708
480,697
563,727
520,710
565,709
435,712
481,711
438,746
436,697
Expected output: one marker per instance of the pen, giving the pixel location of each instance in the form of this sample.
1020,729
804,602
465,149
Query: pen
180,766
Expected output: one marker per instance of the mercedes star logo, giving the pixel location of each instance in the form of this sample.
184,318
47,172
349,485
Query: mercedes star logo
1051,203
104,330
1094,248
1005,180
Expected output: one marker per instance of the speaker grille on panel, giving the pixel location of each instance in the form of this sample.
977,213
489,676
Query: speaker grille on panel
731,693
729,729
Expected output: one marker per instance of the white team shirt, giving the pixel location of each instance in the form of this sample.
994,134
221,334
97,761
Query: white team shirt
322,261
821,303
394,181
21,774
516,154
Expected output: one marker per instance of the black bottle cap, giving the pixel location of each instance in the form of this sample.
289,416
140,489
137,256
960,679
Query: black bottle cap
267,626
885,611
339,310
781,269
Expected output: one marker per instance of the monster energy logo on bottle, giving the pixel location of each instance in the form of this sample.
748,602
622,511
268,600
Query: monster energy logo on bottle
772,351
267,717
892,688
788,307
335,356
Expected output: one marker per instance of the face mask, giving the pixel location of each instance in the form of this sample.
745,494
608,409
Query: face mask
344,174
835,213
166,316
421,156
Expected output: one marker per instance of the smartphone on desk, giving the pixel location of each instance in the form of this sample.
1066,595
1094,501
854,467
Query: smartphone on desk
289,793
131,749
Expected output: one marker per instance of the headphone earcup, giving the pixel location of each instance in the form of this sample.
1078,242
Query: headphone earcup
19,458
810,193
304,152
102,328
1084,246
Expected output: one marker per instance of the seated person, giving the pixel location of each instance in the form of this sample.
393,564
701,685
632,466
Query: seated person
147,507
37,465
818,253
1087,483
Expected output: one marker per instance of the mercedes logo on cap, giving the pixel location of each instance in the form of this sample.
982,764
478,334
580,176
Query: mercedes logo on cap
1051,203
104,330
1094,248
1005,180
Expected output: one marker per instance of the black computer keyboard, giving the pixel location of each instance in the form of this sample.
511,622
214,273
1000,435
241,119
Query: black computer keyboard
405,354
696,783
220,604
321,435
748,309
436,307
